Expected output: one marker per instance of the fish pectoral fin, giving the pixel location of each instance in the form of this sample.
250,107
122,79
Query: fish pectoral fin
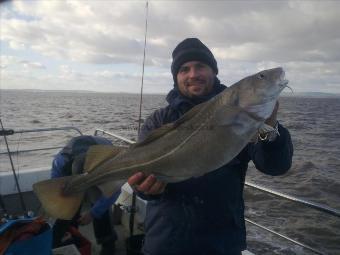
108,188
54,202
97,154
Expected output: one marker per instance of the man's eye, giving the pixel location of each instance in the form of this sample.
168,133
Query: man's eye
183,70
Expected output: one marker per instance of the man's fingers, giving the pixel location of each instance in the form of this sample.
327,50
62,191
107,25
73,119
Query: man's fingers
157,188
136,179
147,183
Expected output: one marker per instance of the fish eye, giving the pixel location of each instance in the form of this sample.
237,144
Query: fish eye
261,76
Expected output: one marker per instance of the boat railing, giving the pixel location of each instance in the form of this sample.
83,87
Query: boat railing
317,206
9,132
119,137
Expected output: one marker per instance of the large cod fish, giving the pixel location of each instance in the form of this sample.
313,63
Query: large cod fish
207,137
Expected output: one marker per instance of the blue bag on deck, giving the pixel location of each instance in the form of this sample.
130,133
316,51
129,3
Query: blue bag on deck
40,244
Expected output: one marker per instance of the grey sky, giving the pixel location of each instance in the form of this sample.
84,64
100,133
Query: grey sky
98,45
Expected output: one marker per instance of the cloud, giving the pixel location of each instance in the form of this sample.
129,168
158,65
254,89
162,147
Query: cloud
244,35
16,45
6,61
112,31
13,62
31,65
79,31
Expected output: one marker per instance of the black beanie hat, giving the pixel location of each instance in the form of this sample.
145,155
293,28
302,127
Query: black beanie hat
191,49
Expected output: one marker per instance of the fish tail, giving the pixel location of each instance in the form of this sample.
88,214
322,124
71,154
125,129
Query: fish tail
53,199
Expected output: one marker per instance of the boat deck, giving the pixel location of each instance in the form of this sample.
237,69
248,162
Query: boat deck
120,243
87,231
12,204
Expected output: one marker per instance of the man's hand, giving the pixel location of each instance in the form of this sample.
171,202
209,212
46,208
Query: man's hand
85,219
149,185
271,121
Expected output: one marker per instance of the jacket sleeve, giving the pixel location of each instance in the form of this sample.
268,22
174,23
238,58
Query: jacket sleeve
57,166
273,158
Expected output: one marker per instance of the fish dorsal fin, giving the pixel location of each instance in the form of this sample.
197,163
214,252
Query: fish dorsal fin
97,154
161,131
155,134
190,114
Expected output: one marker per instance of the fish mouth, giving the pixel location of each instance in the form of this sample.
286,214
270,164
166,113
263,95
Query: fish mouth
283,81
284,84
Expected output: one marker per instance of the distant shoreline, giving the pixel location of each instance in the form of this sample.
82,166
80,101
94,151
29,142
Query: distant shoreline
310,94
284,94
78,91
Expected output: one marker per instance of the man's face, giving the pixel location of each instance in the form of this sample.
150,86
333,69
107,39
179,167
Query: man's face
195,79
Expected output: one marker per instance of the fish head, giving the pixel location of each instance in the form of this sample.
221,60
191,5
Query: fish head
258,93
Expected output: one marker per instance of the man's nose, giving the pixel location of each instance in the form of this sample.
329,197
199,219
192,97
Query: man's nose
193,73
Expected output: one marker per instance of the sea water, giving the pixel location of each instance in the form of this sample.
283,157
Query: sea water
314,124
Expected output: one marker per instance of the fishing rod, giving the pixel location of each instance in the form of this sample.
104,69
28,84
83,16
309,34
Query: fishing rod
133,202
4,134
143,67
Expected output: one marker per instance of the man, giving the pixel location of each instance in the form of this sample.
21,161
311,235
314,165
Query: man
203,215
68,161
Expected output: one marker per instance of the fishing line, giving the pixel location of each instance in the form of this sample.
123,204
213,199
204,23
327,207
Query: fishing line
23,206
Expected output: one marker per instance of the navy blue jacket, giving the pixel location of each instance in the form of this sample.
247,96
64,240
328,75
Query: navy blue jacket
205,215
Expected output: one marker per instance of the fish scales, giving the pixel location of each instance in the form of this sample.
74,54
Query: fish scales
170,155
